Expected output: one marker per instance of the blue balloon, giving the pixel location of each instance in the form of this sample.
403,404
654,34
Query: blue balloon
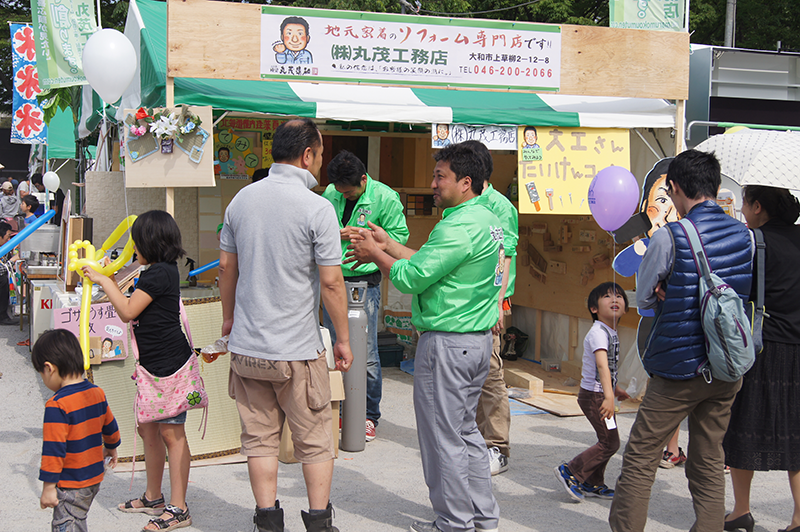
26,232
204,268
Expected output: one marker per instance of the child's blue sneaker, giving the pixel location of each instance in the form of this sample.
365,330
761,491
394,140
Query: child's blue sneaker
601,492
570,483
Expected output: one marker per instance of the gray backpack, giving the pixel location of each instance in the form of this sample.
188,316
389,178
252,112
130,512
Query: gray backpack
729,343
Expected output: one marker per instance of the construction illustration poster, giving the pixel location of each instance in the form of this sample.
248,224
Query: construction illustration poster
557,165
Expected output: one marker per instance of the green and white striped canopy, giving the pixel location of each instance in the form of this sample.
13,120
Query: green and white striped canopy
147,29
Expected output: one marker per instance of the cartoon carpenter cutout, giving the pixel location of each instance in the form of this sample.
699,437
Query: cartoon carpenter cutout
291,49
659,210
658,207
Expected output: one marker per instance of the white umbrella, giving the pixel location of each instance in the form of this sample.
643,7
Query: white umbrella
758,157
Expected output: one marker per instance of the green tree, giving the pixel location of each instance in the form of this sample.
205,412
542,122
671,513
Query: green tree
113,13
760,24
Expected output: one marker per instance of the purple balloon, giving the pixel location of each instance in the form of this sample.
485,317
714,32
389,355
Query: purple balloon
613,197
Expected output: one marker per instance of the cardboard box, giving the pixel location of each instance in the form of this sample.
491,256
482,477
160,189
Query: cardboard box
286,451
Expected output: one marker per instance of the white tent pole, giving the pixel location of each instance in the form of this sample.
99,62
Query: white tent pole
170,97
680,128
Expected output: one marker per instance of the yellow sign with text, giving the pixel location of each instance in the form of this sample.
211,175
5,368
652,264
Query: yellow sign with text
557,165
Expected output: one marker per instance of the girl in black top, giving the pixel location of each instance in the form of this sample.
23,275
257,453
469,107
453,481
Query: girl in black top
163,350
764,430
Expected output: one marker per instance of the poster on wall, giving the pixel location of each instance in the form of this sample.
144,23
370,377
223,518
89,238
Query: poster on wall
108,335
243,145
493,137
407,50
557,165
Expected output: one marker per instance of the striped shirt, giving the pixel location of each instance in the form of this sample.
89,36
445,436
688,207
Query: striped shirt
77,423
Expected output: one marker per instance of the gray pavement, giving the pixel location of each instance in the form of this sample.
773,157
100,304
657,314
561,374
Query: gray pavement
380,489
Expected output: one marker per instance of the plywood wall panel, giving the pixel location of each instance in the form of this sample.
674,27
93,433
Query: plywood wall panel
564,293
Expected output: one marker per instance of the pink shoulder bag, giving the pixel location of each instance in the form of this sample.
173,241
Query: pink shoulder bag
160,398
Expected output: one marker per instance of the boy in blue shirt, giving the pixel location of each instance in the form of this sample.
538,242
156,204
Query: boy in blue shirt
27,207
584,475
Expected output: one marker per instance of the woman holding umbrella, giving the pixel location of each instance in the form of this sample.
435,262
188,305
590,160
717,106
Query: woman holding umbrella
764,430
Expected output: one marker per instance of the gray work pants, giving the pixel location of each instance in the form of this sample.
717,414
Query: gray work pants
449,371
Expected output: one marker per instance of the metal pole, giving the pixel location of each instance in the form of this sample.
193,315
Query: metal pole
354,408
730,24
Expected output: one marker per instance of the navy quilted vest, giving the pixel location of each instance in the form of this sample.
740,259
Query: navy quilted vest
676,347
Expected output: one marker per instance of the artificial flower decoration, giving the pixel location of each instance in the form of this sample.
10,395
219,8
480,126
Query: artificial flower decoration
138,131
188,127
165,126
141,114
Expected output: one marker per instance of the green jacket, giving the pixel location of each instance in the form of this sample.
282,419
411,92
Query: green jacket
456,276
380,205
509,219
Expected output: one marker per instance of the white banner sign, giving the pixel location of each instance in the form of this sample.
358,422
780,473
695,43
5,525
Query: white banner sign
351,47
493,137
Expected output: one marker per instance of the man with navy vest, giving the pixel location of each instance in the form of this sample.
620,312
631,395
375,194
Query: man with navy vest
675,357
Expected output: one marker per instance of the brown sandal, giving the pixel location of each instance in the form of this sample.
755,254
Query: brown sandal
178,519
154,507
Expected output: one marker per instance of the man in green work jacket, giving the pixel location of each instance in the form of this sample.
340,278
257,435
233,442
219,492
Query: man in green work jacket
494,414
359,199
455,282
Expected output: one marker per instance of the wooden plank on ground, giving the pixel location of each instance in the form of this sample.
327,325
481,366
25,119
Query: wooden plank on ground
550,380
521,379
557,397
565,405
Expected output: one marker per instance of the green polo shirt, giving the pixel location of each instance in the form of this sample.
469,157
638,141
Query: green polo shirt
456,276
509,220
378,204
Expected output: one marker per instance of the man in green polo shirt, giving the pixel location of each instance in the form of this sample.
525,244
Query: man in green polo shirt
494,413
358,199
455,279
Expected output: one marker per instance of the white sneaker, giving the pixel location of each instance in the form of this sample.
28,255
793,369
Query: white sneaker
498,462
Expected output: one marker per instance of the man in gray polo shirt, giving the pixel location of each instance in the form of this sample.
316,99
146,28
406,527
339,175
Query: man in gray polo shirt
280,250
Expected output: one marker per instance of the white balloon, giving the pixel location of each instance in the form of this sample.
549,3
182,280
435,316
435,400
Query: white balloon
51,181
109,63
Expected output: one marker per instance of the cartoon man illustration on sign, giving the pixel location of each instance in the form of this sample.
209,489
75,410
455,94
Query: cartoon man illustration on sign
108,350
530,147
291,49
226,166
531,137
441,137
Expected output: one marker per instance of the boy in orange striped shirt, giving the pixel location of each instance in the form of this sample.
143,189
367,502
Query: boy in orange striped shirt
80,431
